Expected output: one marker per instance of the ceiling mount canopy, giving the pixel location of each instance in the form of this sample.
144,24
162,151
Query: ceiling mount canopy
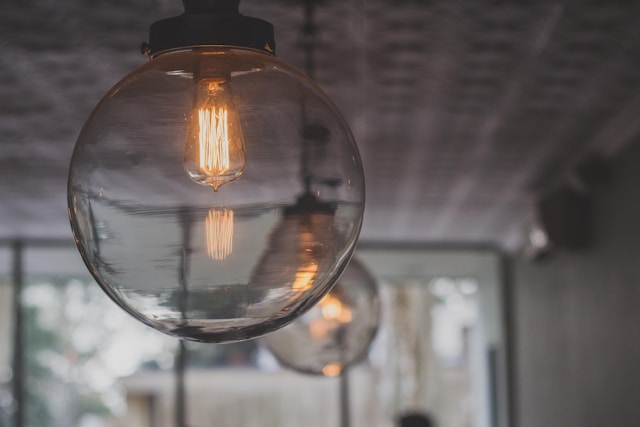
210,22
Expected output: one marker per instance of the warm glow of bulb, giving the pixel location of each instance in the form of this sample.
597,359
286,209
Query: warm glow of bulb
213,140
331,370
318,329
219,233
333,309
214,151
304,277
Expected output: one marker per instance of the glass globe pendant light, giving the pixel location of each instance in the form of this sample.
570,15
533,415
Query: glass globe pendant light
337,332
193,198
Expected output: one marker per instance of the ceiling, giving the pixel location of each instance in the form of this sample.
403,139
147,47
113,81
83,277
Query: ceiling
464,111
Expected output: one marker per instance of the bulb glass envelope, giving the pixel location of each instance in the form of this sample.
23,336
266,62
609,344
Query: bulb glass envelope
337,332
144,226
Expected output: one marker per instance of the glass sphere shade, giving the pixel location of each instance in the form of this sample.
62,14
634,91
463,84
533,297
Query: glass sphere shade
336,332
201,202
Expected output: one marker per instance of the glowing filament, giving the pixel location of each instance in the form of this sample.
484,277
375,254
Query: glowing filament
333,309
213,140
334,314
219,231
331,370
214,150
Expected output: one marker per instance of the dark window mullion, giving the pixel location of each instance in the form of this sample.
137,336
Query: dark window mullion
18,335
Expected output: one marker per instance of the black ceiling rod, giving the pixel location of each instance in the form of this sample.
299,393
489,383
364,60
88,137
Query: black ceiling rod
309,37
18,380
226,7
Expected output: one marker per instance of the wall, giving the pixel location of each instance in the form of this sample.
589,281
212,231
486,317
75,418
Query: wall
577,319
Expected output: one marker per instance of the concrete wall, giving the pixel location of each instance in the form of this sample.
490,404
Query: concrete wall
577,319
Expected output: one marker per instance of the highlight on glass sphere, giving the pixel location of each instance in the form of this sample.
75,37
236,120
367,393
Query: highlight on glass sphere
337,332
216,193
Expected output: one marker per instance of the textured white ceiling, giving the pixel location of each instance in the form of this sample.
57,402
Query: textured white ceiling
464,111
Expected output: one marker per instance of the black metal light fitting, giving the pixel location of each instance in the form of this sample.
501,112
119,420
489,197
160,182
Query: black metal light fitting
210,22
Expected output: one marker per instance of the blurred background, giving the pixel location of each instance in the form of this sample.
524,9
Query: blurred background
500,146
84,362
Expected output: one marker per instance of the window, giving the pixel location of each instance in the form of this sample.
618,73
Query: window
84,362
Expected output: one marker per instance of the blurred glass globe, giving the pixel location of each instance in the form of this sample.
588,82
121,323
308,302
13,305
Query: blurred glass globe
336,332
204,203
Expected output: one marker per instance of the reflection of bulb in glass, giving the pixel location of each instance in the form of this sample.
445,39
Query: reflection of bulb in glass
304,277
214,151
307,253
219,233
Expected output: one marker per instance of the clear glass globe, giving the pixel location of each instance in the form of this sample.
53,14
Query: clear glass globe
216,193
336,332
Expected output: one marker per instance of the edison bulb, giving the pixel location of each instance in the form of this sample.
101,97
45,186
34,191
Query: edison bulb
337,332
224,265
214,150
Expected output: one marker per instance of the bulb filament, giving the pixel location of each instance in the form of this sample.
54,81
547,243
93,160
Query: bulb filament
214,139
333,314
214,151
333,309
